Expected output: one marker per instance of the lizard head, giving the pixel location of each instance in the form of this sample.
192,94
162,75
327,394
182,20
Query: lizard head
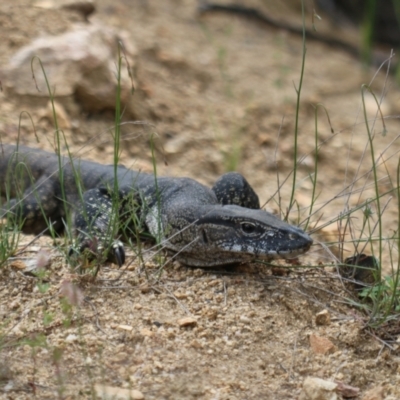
232,234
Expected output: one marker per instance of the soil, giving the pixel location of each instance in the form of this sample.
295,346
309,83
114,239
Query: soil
219,93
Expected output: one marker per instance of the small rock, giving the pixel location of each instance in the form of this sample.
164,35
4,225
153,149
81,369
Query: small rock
158,365
321,345
125,327
187,321
196,344
318,389
245,319
88,360
15,305
109,392
362,269
376,393
146,332
180,295
18,264
71,338
347,391
323,318
176,145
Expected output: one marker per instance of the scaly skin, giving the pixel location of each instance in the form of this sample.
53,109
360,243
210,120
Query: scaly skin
201,226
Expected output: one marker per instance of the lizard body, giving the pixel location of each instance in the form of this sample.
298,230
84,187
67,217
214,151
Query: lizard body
201,226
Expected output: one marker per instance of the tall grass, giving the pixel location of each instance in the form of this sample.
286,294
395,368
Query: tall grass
378,297
367,28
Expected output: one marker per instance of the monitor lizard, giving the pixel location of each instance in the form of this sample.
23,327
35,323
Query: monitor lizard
201,226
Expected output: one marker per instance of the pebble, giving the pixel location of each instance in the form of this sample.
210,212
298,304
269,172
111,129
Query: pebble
318,389
180,295
187,321
323,318
245,319
125,327
115,393
347,391
71,338
18,264
146,332
321,345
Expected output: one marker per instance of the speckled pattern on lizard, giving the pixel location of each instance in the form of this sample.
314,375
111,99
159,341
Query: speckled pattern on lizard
200,226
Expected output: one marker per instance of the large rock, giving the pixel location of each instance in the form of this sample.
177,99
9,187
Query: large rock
80,63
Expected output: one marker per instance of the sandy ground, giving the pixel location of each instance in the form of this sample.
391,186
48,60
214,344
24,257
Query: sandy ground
220,93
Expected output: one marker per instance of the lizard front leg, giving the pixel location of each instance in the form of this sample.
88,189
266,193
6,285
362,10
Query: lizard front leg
96,224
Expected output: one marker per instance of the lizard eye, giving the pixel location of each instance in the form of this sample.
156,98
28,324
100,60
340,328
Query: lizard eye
248,228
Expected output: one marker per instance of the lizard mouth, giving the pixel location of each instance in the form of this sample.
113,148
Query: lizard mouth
295,249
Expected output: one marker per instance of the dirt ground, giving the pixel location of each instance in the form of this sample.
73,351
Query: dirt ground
220,93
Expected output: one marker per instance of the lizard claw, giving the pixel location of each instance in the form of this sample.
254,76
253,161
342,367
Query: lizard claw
117,253
92,250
